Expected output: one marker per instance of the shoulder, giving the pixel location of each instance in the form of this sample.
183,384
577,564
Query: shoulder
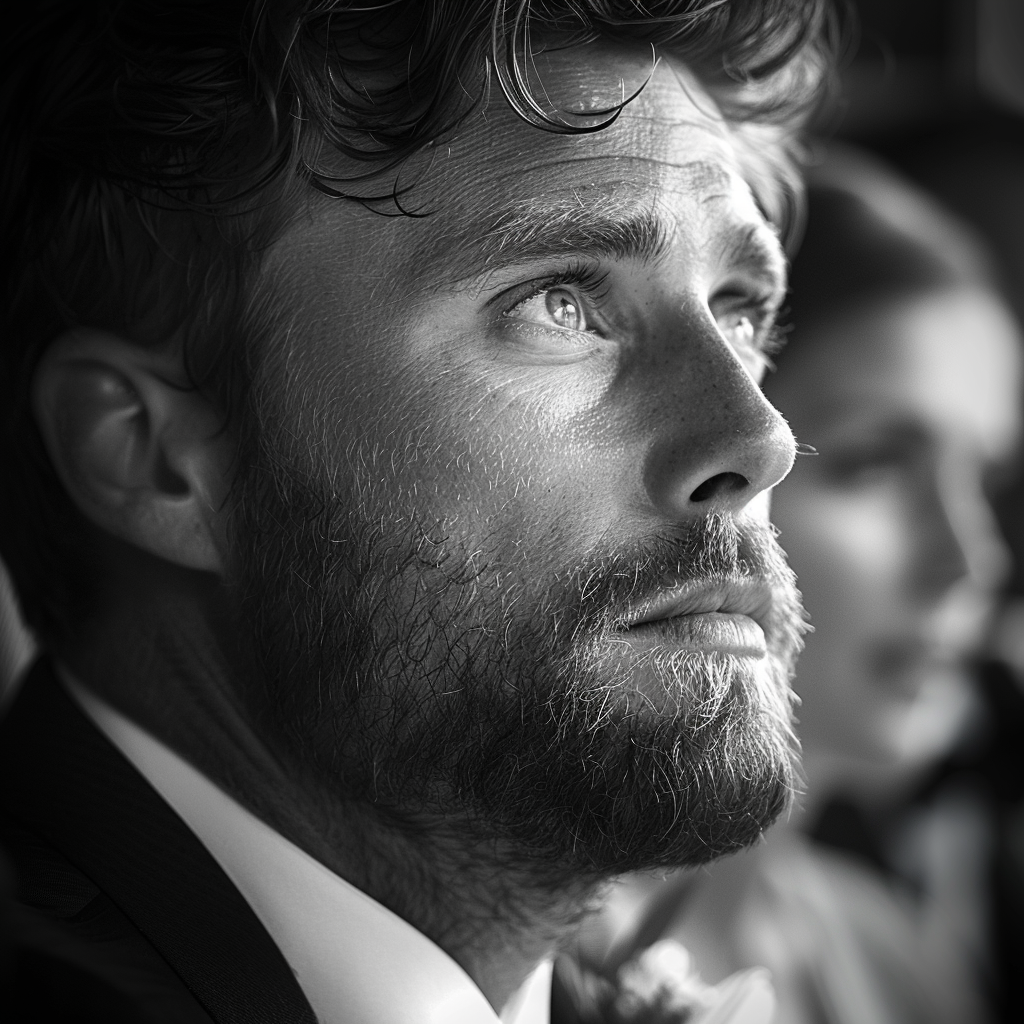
71,954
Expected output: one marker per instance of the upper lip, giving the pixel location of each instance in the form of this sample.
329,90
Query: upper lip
749,597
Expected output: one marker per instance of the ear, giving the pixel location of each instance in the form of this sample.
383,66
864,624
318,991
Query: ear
141,454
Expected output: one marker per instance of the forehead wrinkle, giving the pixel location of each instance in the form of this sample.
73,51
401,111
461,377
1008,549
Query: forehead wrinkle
609,220
700,175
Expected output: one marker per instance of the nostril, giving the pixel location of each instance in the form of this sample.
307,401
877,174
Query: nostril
718,486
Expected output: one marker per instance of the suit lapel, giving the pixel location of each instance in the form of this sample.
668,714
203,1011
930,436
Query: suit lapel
62,778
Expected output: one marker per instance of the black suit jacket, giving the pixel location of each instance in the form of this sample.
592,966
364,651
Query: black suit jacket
119,913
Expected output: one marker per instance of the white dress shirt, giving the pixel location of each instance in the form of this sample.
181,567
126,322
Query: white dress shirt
355,960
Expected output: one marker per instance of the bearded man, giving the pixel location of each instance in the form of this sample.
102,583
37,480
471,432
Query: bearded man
386,479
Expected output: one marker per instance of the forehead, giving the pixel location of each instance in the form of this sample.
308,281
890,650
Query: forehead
670,155
669,145
671,132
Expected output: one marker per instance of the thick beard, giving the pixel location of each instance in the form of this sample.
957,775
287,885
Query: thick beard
405,674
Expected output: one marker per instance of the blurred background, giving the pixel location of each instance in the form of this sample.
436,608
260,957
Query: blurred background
936,89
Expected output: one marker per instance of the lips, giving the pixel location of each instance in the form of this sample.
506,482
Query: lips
751,598
728,616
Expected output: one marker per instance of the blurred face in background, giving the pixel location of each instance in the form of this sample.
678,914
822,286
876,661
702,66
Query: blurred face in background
911,403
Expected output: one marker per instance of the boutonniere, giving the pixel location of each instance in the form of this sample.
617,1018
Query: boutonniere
659,986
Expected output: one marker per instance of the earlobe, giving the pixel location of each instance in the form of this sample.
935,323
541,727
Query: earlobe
140,454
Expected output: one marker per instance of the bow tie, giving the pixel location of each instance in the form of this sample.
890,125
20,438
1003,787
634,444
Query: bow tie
658,986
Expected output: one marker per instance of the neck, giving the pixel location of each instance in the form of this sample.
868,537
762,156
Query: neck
491,911
162,664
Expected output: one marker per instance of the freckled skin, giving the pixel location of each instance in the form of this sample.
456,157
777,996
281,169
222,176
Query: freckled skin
909,403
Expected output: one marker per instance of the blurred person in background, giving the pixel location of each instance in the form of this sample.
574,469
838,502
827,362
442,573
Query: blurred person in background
902,372
977,170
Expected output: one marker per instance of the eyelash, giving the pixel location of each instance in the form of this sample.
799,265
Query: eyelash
591,281
771,333
774,338
763,313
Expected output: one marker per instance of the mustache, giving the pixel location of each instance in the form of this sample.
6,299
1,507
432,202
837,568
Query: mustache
715,549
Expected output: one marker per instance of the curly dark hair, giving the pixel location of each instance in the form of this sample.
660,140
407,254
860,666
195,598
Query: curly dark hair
153,149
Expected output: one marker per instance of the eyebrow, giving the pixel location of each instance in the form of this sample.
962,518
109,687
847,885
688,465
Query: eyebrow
519,238
531,232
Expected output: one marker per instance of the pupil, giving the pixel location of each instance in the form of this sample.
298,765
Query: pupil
565,312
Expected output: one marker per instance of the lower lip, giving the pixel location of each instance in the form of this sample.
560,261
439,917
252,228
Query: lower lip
704,633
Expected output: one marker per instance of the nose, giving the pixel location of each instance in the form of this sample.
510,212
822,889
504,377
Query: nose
720,442
963,541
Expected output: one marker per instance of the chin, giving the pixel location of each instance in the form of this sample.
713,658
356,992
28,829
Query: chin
608,776
585,775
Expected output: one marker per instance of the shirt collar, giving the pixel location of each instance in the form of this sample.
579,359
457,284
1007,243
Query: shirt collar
355,960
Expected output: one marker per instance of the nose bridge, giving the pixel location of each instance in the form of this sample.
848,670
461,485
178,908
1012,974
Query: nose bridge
966,530
718,441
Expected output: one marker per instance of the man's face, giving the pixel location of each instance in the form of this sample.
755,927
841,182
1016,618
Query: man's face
505,547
